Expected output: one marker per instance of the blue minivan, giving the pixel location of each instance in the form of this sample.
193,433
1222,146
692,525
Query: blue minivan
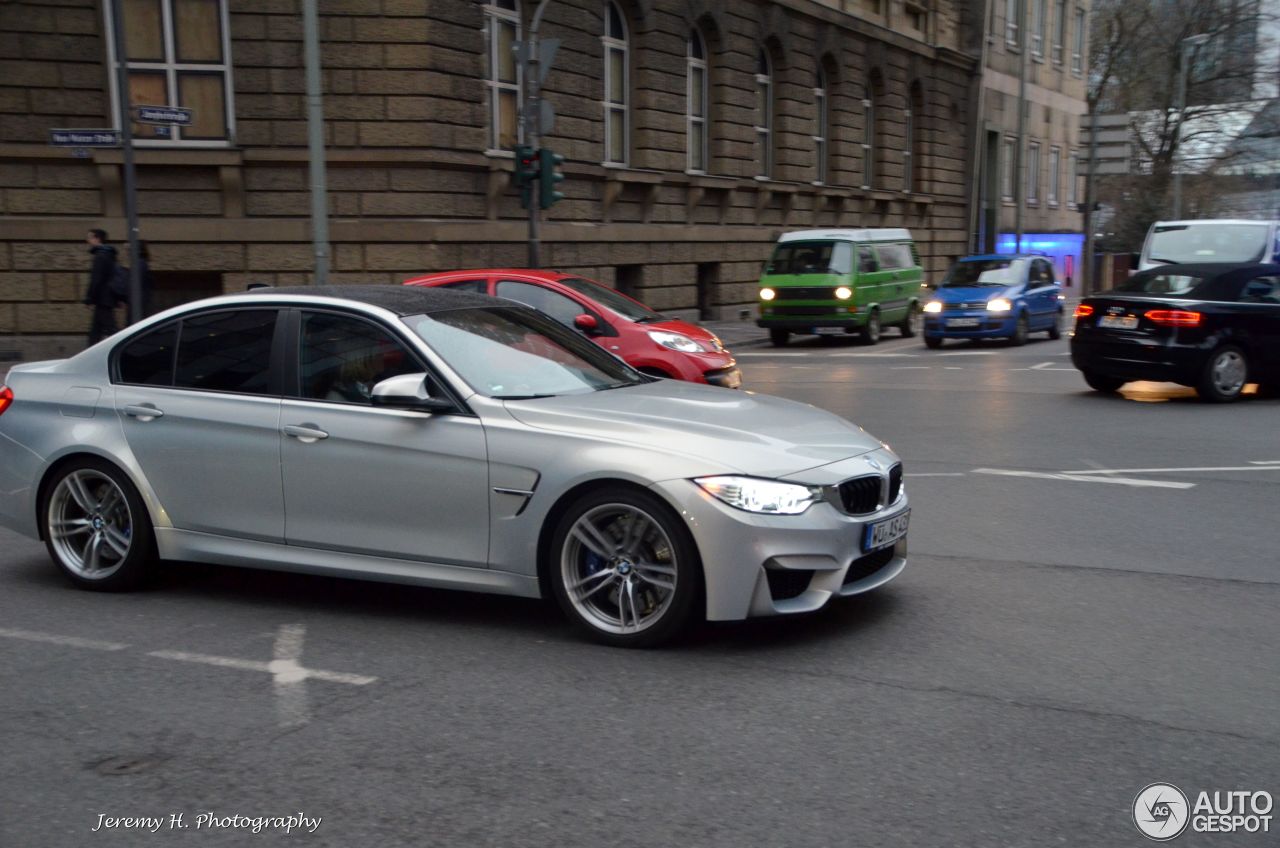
993,297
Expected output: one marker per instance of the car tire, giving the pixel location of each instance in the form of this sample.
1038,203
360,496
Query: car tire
933,342
910,325
618,547
1224,375
1103,383
1020,331
1055,331
779,338
96,527
870,333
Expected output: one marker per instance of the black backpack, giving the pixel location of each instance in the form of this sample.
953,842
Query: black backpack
118,285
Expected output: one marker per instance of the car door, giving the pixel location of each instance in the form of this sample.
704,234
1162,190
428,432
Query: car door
894,260
200,407
1042,294
383,482
1260,309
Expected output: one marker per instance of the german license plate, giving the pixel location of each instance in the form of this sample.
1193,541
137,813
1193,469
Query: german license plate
1118,322
828,331
882,534
963,322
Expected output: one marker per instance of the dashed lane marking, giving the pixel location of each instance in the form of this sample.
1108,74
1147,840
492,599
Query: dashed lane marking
1258,467
69,641
1081,477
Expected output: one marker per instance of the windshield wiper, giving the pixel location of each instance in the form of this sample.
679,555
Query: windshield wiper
522,397
1165,261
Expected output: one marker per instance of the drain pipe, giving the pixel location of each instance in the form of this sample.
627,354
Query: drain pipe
315,142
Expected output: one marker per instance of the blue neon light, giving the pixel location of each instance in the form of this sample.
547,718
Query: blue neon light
1055,243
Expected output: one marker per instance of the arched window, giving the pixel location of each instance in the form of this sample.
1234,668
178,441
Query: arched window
869,135
696,96
617,86
502,19
764,115
821,123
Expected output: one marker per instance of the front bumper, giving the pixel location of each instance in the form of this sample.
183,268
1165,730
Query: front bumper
759,565
729,378
991,325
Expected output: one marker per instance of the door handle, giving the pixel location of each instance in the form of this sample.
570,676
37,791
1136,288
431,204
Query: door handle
143,412
303,433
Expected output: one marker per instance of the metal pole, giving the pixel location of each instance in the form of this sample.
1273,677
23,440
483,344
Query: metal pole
1020,179
1177,149
977,160
130,174
533,130
1086,278
315,142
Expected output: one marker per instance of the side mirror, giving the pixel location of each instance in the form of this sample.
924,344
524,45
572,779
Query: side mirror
407,391
587,324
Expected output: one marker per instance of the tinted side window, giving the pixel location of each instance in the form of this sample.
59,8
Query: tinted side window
226,351
341,358
1041,274
1261,290
478,286
552,303
148,360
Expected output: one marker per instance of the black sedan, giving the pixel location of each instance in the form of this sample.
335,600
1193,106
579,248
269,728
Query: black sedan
1213,327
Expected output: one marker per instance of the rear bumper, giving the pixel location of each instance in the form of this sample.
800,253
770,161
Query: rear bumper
1139,360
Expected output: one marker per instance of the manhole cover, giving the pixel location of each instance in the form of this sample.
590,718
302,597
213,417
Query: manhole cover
127,764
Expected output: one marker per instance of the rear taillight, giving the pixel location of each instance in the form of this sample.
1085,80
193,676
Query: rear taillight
1174,318
6,399
1084,310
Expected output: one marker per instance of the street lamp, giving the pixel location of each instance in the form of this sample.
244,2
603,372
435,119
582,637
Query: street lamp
1186,46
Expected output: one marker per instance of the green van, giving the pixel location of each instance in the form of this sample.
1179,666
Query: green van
831,282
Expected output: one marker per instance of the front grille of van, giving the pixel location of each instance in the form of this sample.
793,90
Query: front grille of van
805,293
809,310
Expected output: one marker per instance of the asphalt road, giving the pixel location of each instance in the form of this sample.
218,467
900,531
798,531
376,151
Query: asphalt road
1068,630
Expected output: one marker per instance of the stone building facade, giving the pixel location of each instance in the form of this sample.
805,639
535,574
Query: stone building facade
1036,50
814,112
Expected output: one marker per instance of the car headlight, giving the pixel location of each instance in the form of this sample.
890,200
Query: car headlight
999,304
755,495
933,306
675,341
843,293
767,294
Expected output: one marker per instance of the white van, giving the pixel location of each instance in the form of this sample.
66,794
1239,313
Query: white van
1211,240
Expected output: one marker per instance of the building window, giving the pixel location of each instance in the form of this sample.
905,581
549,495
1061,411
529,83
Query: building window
1012,22
913,146
868,141
820,124
1007,164
616,86
1055,175
1037,27
696,97
917,17
764,116
875,7
1077,44
908,143
1033,172
1073,180
1059,29
178,55
502,21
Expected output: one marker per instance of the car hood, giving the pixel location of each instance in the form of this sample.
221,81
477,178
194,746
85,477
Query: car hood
958,294
726,430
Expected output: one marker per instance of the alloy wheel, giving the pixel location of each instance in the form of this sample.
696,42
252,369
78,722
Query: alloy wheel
619,568
1229,372
90,525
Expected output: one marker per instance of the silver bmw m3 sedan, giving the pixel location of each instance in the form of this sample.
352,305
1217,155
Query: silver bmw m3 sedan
445,439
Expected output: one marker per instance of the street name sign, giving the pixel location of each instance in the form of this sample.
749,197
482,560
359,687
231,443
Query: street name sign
163,115
84,138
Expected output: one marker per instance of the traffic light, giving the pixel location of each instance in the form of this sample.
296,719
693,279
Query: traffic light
548,176
528,165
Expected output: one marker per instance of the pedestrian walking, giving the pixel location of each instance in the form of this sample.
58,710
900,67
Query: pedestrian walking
99,296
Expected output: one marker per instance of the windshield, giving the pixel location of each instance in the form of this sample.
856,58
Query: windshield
811,257
619,303
984,272
511,354
1155,282
1178,244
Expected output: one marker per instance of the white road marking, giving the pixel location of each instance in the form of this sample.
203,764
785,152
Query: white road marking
1087,478
291,695
910,367
209,659
968,353
69,641
937,474
1041,366
1264,462
746,353
952,368
1267,467
868,355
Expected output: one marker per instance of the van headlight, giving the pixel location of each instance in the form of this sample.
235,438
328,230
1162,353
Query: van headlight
753,494
675,341
999,304
767,294
933,306
843,293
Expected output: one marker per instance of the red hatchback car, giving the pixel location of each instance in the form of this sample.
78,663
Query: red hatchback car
644,339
